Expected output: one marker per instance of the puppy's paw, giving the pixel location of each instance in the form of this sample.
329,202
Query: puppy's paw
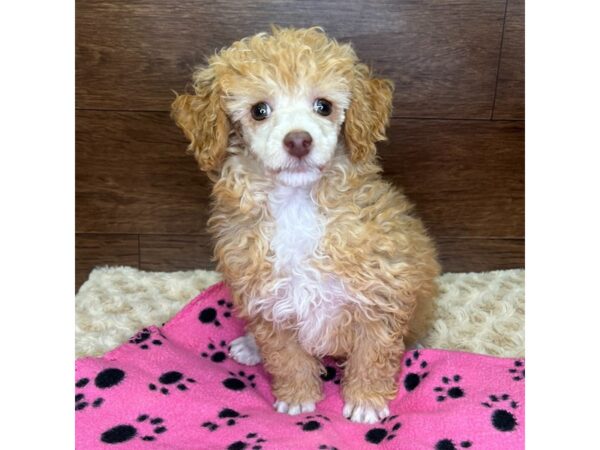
245,351
294,408
365,414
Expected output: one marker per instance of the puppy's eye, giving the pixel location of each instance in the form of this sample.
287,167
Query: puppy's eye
322,106
260,111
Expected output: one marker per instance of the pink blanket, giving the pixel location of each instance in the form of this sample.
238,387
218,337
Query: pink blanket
175,388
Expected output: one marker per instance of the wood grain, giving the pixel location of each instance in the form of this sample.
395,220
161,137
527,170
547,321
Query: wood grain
93,250
442,55
168,252
467,178
510,93
190,252
133,175
479,255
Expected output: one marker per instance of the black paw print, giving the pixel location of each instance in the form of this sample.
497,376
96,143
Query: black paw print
142,339
236,382
313,423
331,374
254,445
172,377
82,403
216,355
502,419
451,392
447,444
210,314
377,435
124,433
230,416
518,370
105,379
413,379
327,447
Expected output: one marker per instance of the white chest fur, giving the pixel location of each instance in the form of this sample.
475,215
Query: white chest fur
302,295
298,228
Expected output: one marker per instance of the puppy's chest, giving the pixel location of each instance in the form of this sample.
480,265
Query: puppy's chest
305,296
298,229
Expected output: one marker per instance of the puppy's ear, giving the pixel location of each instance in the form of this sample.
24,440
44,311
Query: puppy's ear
368,114
203,120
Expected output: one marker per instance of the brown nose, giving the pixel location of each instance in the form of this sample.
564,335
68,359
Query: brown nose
298,143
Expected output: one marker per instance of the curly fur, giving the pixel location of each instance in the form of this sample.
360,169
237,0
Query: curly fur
323,256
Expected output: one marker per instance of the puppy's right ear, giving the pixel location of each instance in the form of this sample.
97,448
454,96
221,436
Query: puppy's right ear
204,121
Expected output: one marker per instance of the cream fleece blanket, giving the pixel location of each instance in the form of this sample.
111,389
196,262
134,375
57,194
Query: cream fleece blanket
476,312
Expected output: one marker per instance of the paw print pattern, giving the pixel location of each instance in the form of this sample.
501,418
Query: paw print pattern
216,354
255,439
502,418
82,403
239,381
210,315
518,370
448,390
230,416
312,423
142,339
379,434
331,374
123,433
447,444
105,379
327,447
413,379
171,378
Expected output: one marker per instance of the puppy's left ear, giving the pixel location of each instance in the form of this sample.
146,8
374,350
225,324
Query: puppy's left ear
368,114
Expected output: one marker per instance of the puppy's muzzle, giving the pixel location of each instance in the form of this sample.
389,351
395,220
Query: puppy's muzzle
298,143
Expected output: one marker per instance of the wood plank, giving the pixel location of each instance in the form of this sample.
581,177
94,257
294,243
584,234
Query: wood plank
168,252
442,55
479,255
133,176
93,250
510,94
465,177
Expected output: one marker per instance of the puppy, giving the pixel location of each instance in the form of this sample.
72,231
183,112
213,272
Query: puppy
322,256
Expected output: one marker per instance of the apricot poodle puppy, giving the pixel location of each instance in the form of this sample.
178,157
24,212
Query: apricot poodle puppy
323,257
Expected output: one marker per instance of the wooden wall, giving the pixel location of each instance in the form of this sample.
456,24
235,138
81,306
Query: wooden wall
456,139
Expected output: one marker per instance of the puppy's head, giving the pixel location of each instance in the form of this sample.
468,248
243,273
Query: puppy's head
290,96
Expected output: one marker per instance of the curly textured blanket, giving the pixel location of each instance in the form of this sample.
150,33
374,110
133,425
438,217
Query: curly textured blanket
475,312
175,388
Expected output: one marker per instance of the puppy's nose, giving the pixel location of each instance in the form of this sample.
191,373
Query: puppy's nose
298,143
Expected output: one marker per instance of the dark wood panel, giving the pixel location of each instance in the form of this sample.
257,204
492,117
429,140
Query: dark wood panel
171,253
478,255
442,55
465,177
167,252
133,176
103,249
510,94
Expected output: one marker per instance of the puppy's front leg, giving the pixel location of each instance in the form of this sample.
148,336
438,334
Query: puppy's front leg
370,375
296,384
